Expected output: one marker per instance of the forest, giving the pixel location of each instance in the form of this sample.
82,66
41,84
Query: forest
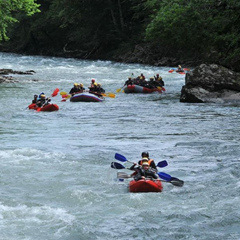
190,31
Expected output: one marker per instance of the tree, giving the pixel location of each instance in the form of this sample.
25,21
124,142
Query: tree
8,9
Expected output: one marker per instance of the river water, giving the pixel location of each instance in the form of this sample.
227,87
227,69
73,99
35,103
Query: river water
55,176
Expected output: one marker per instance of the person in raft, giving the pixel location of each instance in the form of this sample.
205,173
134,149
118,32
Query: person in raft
35,98
43,101
74,89
159,81
99,88
92,85
81,88
145,157
143,172
179,69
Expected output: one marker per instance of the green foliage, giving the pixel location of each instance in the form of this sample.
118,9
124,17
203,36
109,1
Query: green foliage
205,29
8,8
199,26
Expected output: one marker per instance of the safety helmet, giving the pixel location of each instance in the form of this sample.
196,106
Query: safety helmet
145,164
95,84
145,159
75,84
145,154
93,80
179,66
81,85
42,96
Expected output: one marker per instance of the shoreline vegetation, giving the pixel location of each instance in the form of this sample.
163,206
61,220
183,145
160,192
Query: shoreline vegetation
159,33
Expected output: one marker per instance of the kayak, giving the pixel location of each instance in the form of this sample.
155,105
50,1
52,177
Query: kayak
145,186
140,89
46,108
87,97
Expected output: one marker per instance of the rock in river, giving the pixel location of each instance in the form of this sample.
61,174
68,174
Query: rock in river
211,83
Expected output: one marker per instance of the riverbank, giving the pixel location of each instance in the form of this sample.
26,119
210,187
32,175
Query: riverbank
141,53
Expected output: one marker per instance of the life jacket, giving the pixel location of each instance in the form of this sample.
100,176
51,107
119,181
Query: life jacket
149,162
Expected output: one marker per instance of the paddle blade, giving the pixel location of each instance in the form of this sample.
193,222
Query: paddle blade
66,96
118,90
63,93
116,165
165,176
177,182
162,164
120,157
123,175
111,95
55,92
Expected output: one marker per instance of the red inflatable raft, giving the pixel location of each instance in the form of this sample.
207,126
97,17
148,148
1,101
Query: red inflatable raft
145,186
46,108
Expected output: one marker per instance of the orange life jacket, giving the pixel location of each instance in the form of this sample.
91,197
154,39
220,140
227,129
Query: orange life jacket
149,162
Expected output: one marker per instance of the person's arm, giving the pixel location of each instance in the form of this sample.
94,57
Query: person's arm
155,176
133,166
153,166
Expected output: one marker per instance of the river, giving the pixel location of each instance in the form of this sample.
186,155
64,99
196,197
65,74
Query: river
56,182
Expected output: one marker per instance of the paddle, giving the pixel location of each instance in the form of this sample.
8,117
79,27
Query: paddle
168,178
55,92
65,96
117,165
63,93
119,89
159,89
174,181
111,95
123,159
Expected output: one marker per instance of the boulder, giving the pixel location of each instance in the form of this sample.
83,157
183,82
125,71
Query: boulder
211,83
10,79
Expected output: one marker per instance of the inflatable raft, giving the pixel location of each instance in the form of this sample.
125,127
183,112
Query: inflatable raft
145,186
140,89
46,108
87,97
